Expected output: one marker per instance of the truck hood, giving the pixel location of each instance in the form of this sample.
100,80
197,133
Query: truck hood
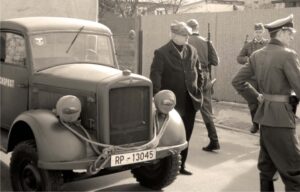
84,77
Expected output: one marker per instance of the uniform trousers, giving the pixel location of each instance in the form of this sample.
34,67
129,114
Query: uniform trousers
206,111
188,119
280,151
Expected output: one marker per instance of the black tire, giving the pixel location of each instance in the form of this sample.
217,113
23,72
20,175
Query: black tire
25,174
159,175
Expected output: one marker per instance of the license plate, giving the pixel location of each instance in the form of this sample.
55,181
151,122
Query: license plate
135,157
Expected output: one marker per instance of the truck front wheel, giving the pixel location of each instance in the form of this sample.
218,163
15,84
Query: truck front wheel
160,174
25,174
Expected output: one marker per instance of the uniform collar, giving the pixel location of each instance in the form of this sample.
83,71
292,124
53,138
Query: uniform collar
276,42
259,41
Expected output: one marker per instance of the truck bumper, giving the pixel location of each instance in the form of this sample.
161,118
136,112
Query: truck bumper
161,152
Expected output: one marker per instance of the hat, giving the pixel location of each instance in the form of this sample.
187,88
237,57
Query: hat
284,23
193,23
258,26
180,28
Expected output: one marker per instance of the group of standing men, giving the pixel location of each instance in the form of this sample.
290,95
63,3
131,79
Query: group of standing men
275,69
270,73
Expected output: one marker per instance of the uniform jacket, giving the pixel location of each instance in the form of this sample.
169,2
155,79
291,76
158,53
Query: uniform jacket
182,75
249,48
277,72
203,47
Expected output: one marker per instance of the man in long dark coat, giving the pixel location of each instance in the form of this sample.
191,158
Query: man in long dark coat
277,71
176,67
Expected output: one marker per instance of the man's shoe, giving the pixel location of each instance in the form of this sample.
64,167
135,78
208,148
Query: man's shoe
254,128
185,172
212,146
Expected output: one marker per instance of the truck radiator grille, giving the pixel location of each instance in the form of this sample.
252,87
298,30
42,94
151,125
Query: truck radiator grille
129,115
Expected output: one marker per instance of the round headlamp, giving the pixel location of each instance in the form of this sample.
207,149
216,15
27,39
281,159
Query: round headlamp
68,108
165,101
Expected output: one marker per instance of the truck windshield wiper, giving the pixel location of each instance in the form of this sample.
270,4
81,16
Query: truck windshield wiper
81,28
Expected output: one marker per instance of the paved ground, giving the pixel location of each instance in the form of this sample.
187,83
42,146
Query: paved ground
235,116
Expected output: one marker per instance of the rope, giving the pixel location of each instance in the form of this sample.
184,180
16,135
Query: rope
109,149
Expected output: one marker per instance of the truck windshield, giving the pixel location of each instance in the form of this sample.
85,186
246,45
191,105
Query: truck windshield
50,49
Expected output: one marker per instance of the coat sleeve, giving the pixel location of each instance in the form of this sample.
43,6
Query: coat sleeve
240,83
213,58
243,56
292,72
157,68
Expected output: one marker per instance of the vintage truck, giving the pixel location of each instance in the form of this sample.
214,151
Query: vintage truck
69,113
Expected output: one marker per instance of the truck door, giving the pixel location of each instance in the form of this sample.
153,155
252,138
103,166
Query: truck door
13,77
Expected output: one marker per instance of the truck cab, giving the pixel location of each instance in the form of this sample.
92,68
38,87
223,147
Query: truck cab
65,106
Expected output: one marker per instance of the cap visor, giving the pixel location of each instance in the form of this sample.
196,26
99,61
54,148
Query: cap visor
293,30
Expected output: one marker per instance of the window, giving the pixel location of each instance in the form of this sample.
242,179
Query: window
59,48
12,48
160,11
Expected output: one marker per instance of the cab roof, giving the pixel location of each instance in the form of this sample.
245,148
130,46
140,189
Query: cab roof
42,24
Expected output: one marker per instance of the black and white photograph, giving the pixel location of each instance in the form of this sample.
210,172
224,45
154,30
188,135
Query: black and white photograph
150,95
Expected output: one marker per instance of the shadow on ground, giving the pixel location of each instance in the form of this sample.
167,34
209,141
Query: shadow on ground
5,179
117,182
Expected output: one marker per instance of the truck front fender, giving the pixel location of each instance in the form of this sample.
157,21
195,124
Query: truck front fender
54,142
175,131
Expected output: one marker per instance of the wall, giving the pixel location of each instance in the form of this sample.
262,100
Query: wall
82,9
228,31
126,48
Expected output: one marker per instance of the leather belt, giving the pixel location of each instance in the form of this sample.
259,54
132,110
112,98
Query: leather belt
276,98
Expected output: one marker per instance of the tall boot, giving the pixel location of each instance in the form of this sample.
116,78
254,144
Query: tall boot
266,186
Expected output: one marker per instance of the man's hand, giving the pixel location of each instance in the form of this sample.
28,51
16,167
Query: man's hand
210,85
260,98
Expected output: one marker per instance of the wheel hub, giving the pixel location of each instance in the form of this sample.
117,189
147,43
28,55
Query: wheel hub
31,178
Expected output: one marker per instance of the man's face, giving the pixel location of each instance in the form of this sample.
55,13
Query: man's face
287,36
179,39
258,34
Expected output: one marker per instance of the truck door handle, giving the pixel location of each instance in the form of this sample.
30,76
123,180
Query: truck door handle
22,85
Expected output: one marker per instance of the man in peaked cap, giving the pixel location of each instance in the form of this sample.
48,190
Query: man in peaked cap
249,47
207,56
277,70
176,67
